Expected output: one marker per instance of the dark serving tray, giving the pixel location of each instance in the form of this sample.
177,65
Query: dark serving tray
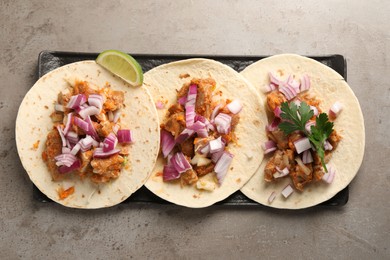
50,60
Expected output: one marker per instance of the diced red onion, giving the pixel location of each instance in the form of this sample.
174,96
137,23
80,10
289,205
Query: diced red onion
315,110
222,166
329,176
109,142
91,131
235,106
216,145
170,173
116,115
159,104
66,159
65,169
59,128
99,153
86,143
270,87
205,149
302,144
190,105
215,156
75,149
190,115
274,125
82,124
327,146
76,101
222,122
269,146
200,129
281,173
180,162
68,123
307,157
215,112
96,100
89,111
287,191
305,83
273,79
272,197
293,84
125,136
65,150
288,91
277,111
335,109
309,124
167,142
72,137
184,135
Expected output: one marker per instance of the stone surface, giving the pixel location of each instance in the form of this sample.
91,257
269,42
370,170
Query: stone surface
359,30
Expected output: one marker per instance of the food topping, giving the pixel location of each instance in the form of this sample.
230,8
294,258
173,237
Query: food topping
88,140
196,133
301,137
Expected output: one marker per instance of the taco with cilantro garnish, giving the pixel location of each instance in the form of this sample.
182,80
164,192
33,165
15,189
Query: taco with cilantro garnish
86,138
315,132
210,143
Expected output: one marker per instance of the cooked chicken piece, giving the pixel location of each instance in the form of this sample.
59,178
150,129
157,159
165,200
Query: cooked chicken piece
189,177
114,99
187,147
176,108
279,138
301,176
275,99
104,128
53,148
105,169
175,124
280,159
203,170
86,158
334,139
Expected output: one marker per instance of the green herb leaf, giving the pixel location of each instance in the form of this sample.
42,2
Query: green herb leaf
296,118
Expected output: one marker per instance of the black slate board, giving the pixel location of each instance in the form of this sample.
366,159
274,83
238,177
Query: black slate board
50,60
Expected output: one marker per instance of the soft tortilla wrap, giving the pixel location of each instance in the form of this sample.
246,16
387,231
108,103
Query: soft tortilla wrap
163,83
329,87
33,124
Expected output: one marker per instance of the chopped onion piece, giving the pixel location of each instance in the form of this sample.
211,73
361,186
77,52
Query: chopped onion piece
215,112
96,100
91,131
167,142
66,159
307,157
89,111
335,110
305,83
170,173
199,128
222,166
179,161
288,91
287,191
281,173
222,122
327,146
116,115
160,104
329,176
277,111
82,124
273,79
72,137
274,125
272,197
109,142
182,101
65,150
75,149
184,135
269,146
86,143
65,169
270,87
302,144
99,153
216,145
315,110
235,106
294,84
309,124
125,136
59,128
76,101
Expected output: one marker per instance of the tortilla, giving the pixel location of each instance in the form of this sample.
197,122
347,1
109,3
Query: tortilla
329,87
33,124
163,83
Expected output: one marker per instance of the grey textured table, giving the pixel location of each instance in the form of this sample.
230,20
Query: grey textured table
359,31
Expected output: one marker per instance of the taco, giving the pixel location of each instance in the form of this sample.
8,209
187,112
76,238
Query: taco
316,132
86,138
210,143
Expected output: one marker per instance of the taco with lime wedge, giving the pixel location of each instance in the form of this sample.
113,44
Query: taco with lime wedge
315,132
86,138
210,146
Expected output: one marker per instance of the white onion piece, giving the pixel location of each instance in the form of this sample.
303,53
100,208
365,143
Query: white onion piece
335,109
215,112
59,128
307,157
270,87
216,145
269,146
116,115
222,166
305,83
235,106
315,110
89,111
273,79
288,91
75,149
272,197
222,122
329,176
277,111
287,191
302,144
281,173
65,150
309,124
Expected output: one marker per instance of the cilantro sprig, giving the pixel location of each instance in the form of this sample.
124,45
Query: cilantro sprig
295,119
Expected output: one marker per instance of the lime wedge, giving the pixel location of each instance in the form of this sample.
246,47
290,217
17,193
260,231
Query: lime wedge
121,65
